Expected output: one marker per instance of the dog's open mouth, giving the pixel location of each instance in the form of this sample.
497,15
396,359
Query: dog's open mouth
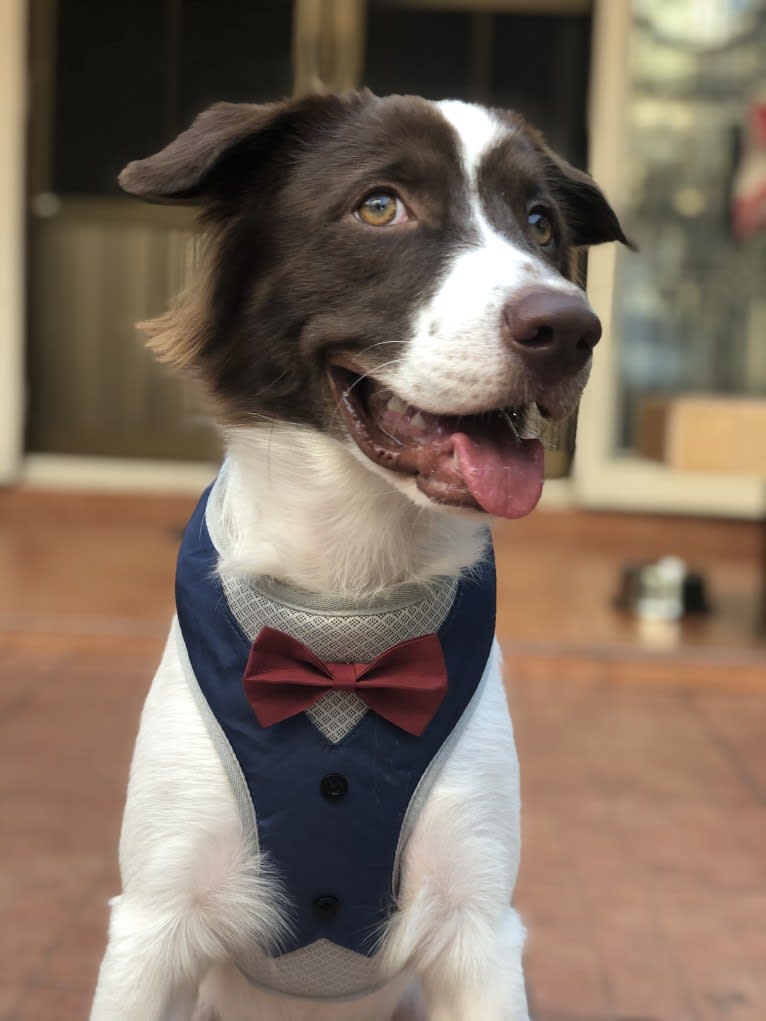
485,461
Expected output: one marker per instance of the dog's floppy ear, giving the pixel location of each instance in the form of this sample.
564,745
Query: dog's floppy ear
178,172
185,171
590,217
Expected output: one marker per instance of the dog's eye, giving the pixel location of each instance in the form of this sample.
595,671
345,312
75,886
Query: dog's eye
542,228
381,209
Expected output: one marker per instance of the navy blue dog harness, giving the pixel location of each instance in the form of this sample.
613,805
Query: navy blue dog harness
329,815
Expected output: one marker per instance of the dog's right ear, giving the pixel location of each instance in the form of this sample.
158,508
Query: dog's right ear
187,169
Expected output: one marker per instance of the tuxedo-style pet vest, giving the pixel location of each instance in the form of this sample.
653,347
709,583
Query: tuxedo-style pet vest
330,791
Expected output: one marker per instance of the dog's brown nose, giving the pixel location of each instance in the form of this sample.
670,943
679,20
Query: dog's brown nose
552,332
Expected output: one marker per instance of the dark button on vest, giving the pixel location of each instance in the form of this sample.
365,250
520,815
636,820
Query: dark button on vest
334,786
326,907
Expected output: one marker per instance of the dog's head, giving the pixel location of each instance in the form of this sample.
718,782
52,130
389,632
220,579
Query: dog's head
393,272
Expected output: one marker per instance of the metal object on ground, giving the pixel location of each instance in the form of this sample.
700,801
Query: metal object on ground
663,589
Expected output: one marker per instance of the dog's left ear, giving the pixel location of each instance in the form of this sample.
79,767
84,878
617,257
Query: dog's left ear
191,168
590,217
180,171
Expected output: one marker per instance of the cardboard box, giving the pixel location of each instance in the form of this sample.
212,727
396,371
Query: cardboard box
704,432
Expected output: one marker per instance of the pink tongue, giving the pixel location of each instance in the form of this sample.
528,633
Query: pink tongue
504,477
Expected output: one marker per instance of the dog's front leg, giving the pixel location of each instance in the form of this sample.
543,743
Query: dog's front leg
155,957
139,978
192,884
454,925
491,989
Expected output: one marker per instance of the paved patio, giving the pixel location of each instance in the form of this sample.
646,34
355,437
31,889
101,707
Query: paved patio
643,880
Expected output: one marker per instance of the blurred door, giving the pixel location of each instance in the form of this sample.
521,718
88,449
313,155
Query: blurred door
110,83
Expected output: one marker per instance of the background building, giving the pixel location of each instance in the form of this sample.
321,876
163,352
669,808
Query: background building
651,95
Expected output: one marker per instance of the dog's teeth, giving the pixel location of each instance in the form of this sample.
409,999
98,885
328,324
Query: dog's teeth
533,424
418,421
397,405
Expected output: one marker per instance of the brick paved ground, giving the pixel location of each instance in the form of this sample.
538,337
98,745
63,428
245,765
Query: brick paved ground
643,880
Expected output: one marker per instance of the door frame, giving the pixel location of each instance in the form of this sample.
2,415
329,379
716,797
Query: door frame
13,124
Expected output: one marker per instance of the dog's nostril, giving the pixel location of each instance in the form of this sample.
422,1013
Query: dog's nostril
591,337
543,335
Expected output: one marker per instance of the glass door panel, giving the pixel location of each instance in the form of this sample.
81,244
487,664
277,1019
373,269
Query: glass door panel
677,88
691,306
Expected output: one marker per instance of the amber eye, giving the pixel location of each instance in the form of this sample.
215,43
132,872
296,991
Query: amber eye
381,209
542,228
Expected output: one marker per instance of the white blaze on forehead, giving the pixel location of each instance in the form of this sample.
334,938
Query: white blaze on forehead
477,130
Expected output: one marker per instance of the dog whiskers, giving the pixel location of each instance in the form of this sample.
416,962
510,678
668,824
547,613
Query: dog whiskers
511,424
274,382
366,375
359,379
390,436
380,343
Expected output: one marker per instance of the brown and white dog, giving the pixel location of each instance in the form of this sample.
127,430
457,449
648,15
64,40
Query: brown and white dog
384,308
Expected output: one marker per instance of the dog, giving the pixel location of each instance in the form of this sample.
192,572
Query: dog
322,818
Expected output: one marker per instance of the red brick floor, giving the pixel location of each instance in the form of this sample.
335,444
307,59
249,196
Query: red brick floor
643,880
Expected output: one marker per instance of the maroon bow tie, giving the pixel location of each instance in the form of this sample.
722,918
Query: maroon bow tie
405,684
